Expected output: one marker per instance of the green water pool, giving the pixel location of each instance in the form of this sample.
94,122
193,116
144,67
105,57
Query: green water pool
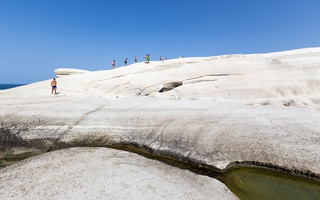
248,183
260,184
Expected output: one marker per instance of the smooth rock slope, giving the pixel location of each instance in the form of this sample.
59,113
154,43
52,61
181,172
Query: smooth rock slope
217,111
100,173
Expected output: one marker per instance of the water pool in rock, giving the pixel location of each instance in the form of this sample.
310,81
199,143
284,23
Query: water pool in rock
248,183
252,184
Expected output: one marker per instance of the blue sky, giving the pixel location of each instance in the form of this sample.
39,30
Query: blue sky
38,36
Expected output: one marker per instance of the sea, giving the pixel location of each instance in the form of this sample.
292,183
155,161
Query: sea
8,86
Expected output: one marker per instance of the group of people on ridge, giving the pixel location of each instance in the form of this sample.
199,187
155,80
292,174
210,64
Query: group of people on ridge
147,60
113,63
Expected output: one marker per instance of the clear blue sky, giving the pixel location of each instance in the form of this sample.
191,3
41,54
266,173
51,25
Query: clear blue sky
38,36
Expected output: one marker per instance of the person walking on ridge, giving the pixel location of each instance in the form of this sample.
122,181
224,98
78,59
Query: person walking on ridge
113,64
54,86
126,61
136,59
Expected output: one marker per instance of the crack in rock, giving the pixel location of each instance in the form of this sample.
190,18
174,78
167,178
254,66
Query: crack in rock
170,86
70,127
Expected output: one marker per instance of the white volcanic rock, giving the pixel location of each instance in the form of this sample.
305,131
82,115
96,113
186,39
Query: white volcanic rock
220,110
68,71
274,78
100,173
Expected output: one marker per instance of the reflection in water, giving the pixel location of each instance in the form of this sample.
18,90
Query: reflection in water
250,183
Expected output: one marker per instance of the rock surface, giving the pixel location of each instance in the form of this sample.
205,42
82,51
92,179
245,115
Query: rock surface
214,111
100,173
68,71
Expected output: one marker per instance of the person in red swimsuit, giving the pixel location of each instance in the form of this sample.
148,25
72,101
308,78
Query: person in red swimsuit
54,86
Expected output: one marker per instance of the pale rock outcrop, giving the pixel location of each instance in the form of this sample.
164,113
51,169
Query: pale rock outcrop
68,71
215,111
100,173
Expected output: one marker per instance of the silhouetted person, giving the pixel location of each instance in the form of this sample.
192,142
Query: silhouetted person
126,61
136,59
113,64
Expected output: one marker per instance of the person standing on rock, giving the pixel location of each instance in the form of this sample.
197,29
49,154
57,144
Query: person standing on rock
126,61
136,59
148,58
113,64
54,86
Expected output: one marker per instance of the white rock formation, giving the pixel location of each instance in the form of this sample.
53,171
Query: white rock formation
100,173
68,71
274,78
216,111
